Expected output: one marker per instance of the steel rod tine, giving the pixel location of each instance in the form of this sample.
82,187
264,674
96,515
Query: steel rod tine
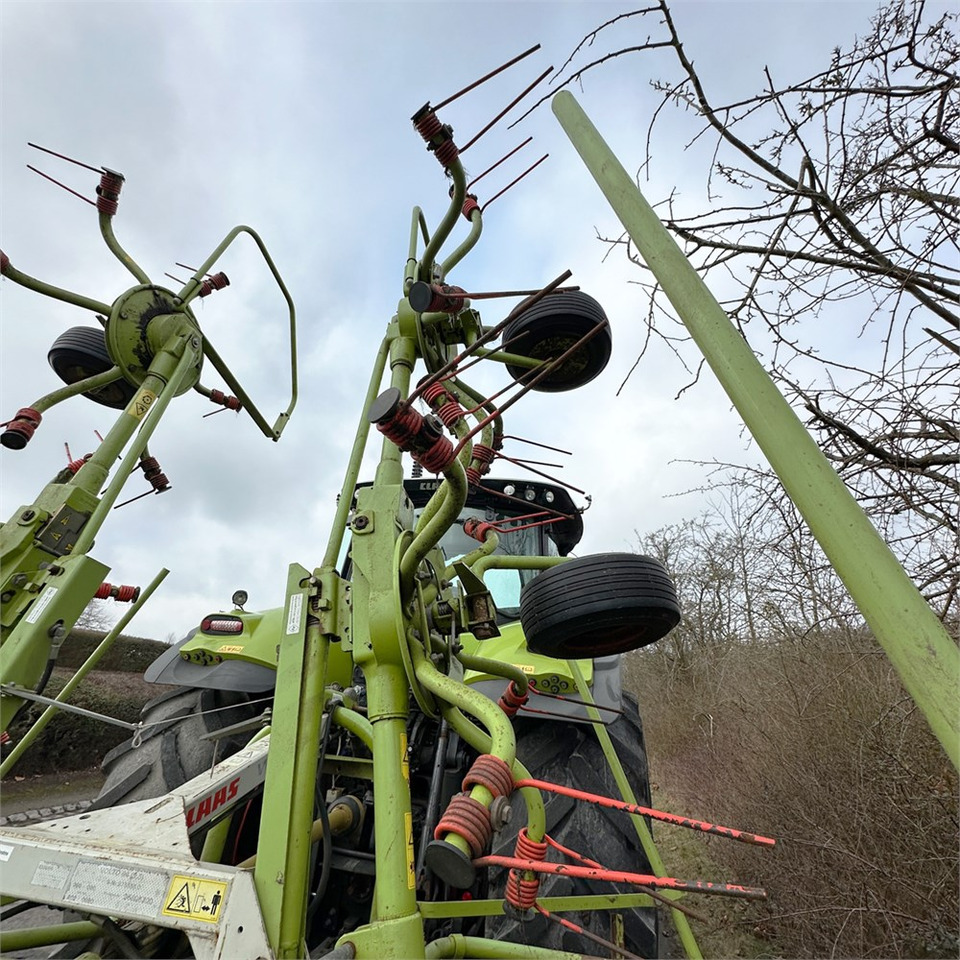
507,496
504,158
496,294
47,176
139,496
486,77
53,153
514,182
506,110
546,476
535,443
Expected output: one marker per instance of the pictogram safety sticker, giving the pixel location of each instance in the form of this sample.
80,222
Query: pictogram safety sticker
195,897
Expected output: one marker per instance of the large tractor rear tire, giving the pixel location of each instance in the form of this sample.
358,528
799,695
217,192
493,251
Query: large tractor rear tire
172,750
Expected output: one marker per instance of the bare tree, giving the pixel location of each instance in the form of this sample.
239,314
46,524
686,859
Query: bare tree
832,231
97,616
749,571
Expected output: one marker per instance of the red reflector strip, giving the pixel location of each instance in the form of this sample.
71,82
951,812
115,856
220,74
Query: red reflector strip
221,625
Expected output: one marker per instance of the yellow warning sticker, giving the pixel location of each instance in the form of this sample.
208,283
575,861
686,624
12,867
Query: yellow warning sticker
195,898
404,759
411,871
142,402
526,667
230,648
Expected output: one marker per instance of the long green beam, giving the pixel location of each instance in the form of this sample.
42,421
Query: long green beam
917,644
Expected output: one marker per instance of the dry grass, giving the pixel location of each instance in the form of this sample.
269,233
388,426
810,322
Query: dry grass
817,744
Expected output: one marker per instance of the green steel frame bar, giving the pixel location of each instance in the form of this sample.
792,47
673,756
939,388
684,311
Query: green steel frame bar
917,644
441,909
281,873
690,946
168,383
456,945
31,938
345,501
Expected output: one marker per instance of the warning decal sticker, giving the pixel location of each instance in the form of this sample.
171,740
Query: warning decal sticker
195,898
142,403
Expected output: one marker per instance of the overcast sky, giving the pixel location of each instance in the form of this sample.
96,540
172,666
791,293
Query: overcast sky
294,118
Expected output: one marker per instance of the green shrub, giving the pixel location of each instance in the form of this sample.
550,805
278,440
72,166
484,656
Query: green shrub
74,742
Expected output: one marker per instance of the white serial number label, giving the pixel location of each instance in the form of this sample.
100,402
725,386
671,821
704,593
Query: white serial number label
295,613
40,605
117,889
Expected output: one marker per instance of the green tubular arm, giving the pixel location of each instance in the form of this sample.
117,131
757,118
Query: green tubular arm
48,290
457,945
439,499
497,668
272,432
504,562
354,723
446,225
476,228
430,510
106,231
480,741
495,425
192,289
431,532
490,543
418,226
71,390
468,397
345,500
503,743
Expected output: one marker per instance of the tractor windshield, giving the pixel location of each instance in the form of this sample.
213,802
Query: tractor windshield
504,585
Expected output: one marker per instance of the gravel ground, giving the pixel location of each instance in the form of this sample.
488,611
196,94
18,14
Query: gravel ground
35,798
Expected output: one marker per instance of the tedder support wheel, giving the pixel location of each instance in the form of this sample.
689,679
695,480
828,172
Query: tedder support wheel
598,605
81,352
549,328
570,755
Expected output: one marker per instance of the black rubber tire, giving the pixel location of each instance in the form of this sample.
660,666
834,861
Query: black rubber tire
571,755
172,752
550,327
82,352
598,605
